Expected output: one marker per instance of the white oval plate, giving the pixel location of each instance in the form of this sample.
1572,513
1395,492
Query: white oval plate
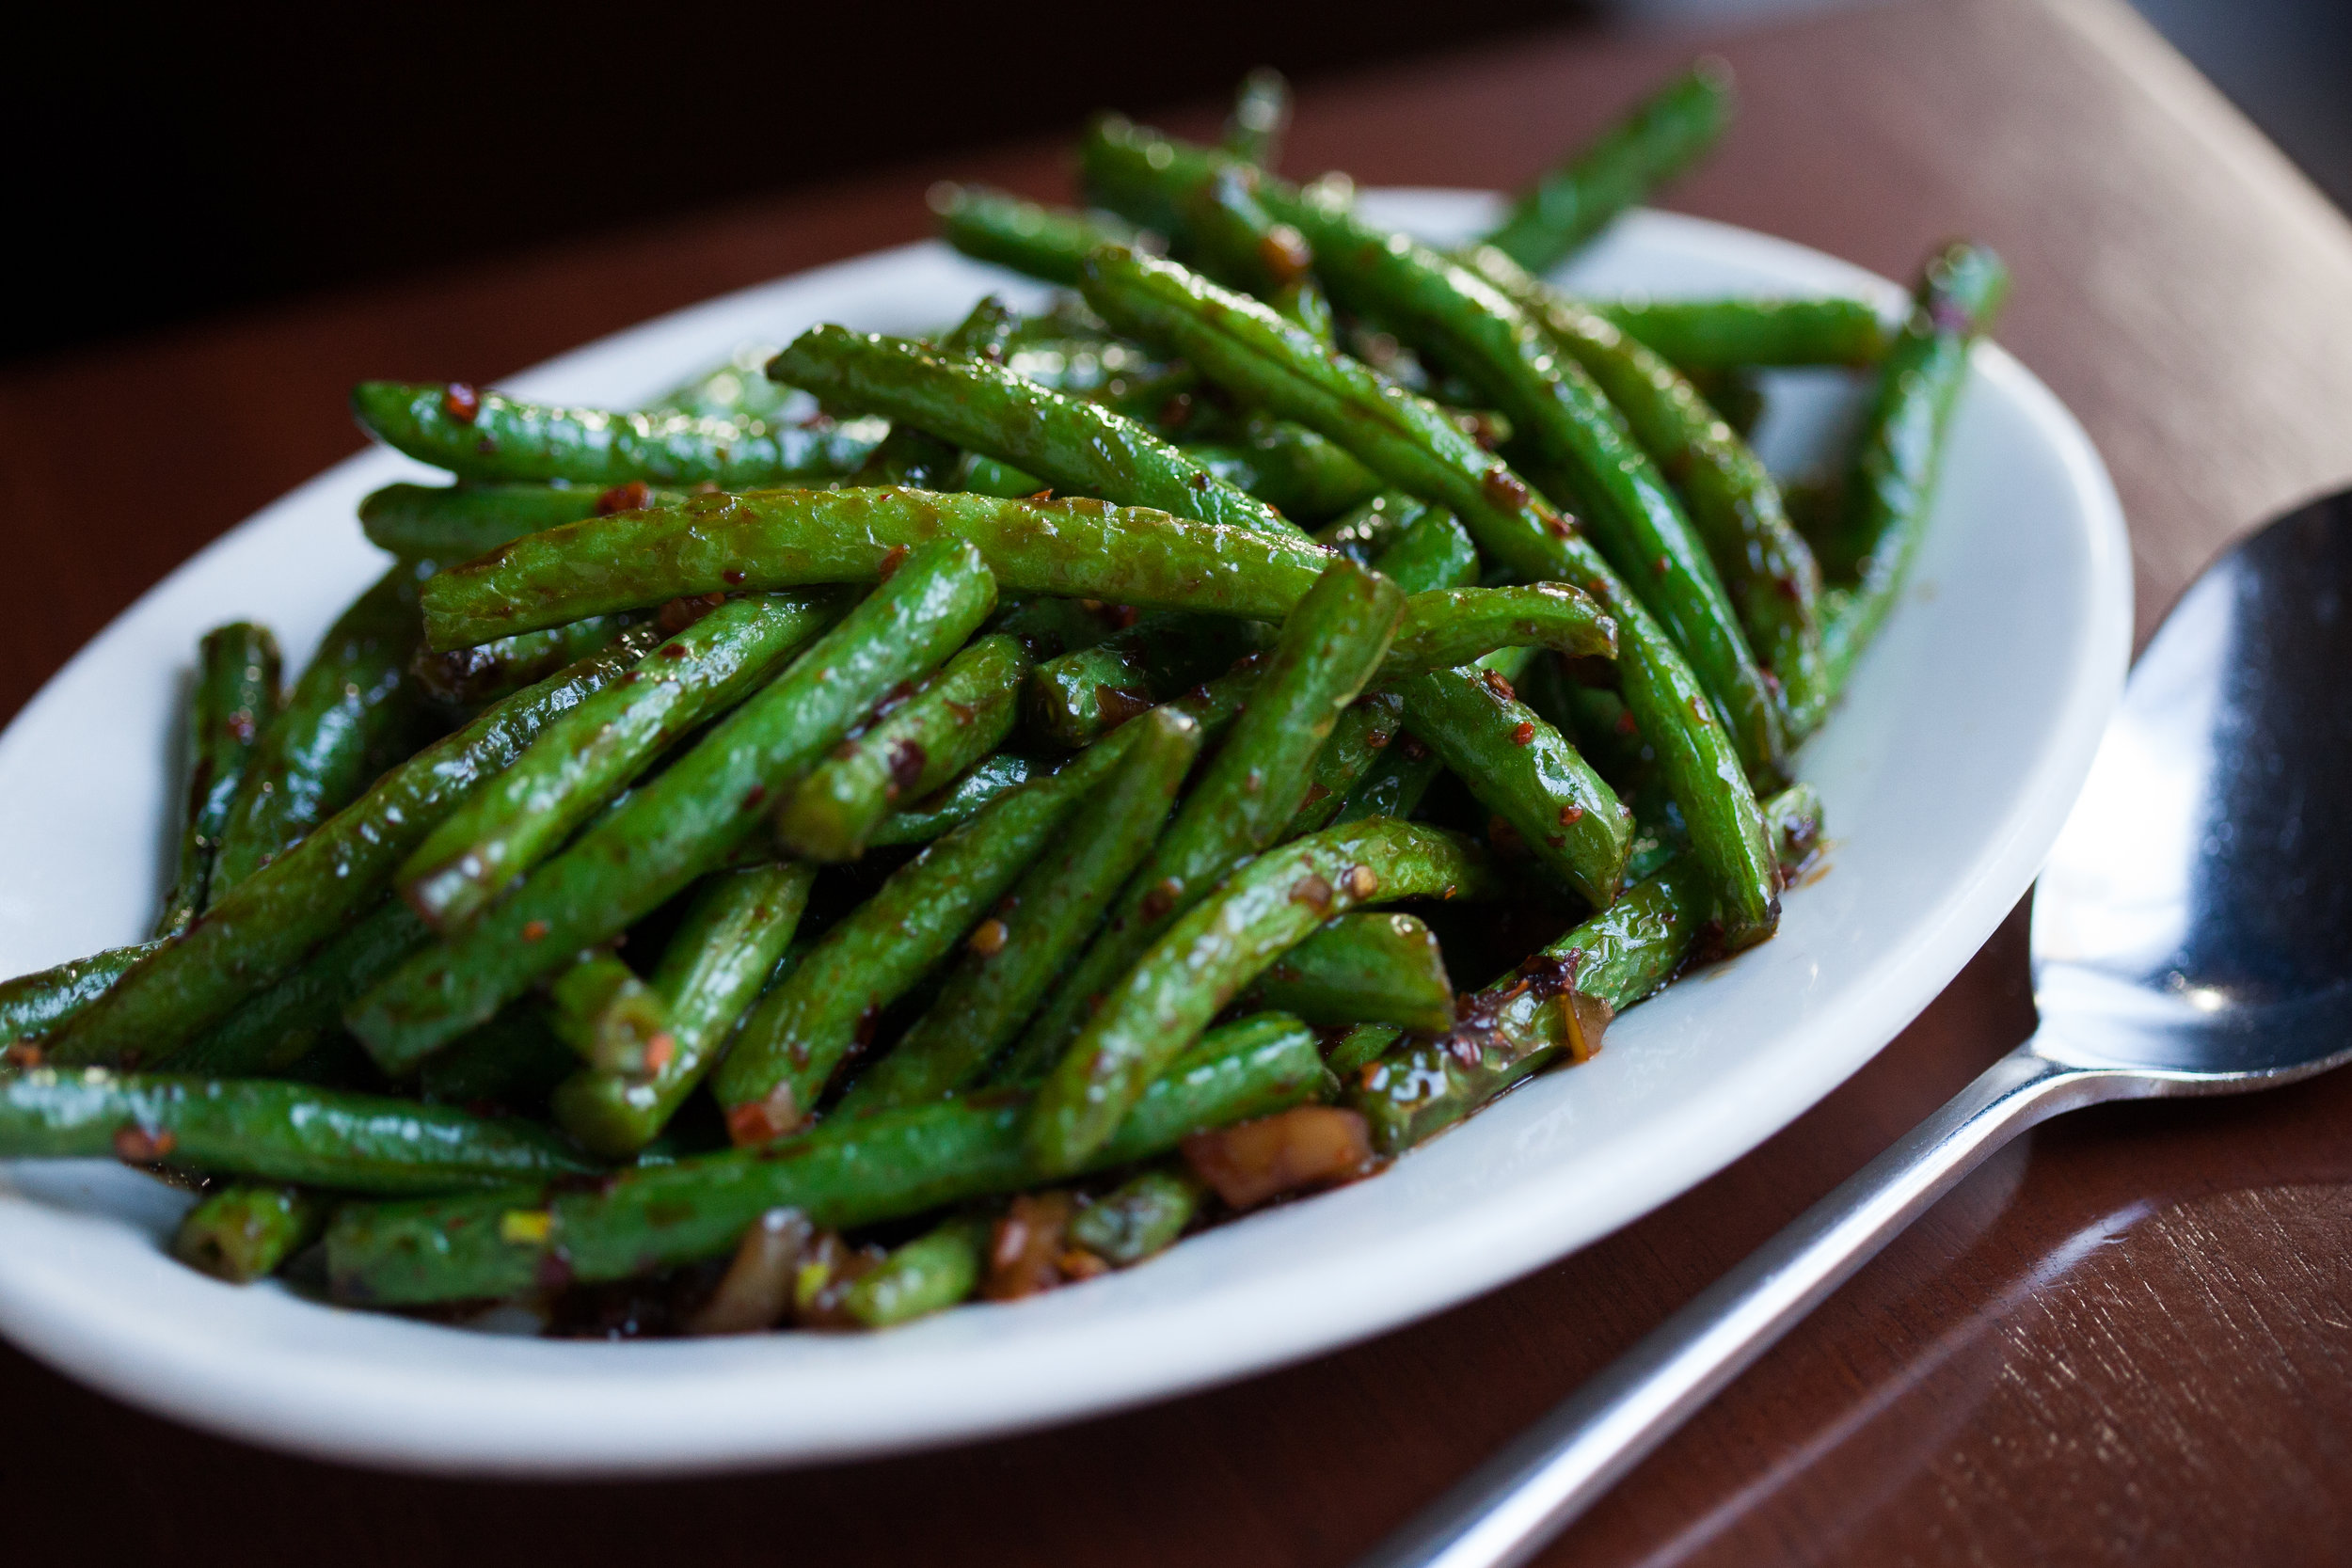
1963,740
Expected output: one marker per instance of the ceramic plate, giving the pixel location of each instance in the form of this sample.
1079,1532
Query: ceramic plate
1945,775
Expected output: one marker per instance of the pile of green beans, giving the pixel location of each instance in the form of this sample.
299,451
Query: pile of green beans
908,818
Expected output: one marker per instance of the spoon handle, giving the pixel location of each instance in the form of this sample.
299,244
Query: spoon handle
1506,1508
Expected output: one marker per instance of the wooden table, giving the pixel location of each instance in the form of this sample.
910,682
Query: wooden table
2128,1339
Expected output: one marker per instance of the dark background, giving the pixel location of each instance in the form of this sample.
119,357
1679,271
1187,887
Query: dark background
170,164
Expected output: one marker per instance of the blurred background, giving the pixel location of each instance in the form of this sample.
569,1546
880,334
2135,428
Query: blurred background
190,163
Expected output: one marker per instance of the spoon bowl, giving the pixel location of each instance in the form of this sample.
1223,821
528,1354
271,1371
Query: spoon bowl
2192,934
2194,918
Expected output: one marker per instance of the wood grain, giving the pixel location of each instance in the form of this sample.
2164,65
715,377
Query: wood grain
2125,1341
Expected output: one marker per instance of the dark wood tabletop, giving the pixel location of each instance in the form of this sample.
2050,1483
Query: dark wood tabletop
2127,1339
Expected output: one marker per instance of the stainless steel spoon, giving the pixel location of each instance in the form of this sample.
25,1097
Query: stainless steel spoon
2192,934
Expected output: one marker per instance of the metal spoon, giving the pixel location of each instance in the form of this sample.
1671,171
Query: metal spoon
2192,934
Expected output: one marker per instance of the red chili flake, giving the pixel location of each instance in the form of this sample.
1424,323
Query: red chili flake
732,577
1625,722
1312,891
1559,527
1162,898
1662,565
1378,740
1045,494
534,930
906,761
989,937
763,1121
890,563
137,1145
673,650
964,712
1200,479
1362,881
1283,251
631,497
754,796
460,402
1524,735
1571,814
1499,685
658,1051
1503,487
25,1055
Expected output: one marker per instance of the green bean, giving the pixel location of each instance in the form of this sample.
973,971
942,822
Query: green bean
1049,627
1429,549
917,457
823,1011
1377,524
1577,439
926,820
1328,647
477,435
352,714
1209,952
1362,733
266,926
515,1060
853,1171
1140,1217
469,678
458,522
731,945
1076,699
1080,697
1523,770
1042,242
687,820
34,1006
1120,375
1071,548
930,1274
1448,627
1362,1044
269,1130
1290,469
1368,967
1076,447
1015,956
1766,568
960,717
609,1018
1663,135
1558,1002
1699,335
1393,785
584,758
277,1027
1892,482
247,1231
1412,445
1262,112
232,699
